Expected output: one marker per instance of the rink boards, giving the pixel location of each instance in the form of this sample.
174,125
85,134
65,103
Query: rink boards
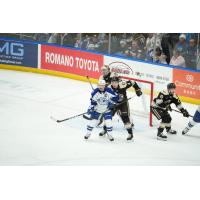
77,64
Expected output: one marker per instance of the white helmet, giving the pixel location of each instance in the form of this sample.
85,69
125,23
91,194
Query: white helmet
102,82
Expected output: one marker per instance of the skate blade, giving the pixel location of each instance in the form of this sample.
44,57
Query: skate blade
163,139
130,141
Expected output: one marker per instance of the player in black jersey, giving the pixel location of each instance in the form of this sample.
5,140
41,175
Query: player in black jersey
160,107
120,87
106,74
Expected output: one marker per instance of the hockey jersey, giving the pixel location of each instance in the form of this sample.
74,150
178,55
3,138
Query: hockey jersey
101,100
164,99
122,88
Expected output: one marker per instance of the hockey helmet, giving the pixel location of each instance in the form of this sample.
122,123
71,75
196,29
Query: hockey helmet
105,69
115,78
102,82
171,86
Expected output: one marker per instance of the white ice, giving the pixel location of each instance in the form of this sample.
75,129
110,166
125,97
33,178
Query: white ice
29,137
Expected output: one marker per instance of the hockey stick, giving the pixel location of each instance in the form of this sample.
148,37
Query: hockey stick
89,82
62,120
180,112
158,107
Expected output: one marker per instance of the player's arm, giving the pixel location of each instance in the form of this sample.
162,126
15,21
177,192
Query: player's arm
178,104
158,100
93,102
114,98
137,88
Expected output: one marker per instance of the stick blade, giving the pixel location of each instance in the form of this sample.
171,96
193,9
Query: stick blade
54,119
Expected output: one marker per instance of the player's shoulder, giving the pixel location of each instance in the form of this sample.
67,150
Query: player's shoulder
95,91
164,92
175,96
110,90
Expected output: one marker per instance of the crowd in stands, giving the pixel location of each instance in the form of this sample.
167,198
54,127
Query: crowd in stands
178,49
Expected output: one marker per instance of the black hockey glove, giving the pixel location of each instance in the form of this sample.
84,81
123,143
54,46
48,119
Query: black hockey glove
138,92
169,108
185,113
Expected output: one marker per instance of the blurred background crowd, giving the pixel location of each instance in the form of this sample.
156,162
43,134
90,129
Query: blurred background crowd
178,49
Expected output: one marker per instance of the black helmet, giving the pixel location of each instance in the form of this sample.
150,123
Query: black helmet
115,78
171,86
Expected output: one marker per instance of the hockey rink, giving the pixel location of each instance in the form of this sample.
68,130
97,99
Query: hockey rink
29,137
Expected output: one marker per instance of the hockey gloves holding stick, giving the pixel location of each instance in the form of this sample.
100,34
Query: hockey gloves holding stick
138,92
185,112
91,109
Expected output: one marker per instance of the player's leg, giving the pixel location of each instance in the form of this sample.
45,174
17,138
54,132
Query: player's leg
104,131
159,114
193,122
108,123
167,120
125,116
92,123
129,114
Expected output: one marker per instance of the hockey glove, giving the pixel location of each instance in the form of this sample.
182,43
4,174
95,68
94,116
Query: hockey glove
185,113
169,108
111,106
91,109
138,92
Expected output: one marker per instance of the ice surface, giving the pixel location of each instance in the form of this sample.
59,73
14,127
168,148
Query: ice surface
29,137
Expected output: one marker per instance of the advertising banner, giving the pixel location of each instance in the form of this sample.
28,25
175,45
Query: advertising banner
187,82
71,61
18,53
159,75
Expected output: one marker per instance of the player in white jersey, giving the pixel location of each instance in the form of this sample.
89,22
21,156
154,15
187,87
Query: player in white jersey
193,122
103,100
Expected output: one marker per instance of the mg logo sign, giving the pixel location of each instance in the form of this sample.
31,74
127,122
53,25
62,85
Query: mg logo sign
189,78
13,49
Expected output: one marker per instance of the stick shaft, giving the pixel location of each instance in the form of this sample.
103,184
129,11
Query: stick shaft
90,82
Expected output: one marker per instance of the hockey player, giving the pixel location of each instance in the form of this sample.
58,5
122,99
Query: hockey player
106,74
120,87
103,100
194,121
160,107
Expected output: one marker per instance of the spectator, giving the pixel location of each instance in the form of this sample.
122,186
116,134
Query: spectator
93,43
153,40
191,54
91,47
140,38
103,43
122,49
177,59
78,43
166,45
69,39
159,57
55,38
134,51
85,42
41,37
181,45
